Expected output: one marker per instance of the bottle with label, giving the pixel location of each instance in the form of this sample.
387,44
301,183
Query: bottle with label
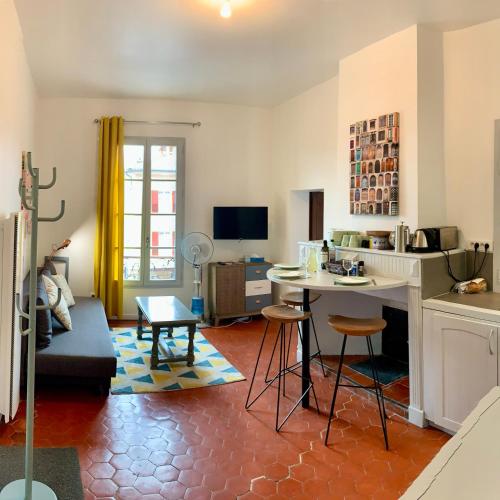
361,268
325,255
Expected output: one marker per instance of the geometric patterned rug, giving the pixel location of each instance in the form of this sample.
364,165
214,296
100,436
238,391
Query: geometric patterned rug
133,374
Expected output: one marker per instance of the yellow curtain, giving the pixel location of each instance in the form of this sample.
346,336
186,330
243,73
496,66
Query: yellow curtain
108,253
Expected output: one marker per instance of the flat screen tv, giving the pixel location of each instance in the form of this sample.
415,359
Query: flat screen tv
240,223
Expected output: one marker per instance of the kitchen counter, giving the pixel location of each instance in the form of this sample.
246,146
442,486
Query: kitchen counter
484,306
484,300
375,251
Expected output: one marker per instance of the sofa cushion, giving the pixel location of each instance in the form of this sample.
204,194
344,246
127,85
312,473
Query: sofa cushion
61,282
60,311
43,317
86,351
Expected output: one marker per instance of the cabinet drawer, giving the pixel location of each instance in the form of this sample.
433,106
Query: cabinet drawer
257,272
257,302
257,287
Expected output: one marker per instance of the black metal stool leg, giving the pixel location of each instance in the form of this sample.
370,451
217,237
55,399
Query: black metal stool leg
332,407
380,397
255,369
319,350
280,373
266,379
378,380
289,344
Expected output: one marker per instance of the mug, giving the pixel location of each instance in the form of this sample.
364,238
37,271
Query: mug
345,240
354,241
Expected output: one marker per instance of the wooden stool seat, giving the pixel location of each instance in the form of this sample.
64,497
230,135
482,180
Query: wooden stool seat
357,327
295,298
284,314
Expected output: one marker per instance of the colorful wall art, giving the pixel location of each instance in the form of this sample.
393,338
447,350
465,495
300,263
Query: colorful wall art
374,166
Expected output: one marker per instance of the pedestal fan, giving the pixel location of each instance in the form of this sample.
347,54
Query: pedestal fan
197,249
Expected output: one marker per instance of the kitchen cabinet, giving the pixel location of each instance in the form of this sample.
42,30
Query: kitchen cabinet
460,365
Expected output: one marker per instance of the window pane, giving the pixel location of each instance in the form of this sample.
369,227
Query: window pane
163,197
162,231
133,156
132,252
162,268
132,231
131,268
162,252
163,162
133,197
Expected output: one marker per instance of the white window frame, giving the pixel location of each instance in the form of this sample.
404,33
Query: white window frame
145,281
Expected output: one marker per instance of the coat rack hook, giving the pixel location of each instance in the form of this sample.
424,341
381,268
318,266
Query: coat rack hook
33,171
52,182
22,331
22,193
57,217
58,301
19,308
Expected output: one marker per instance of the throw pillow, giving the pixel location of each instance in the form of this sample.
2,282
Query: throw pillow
43,318
61,282
61,312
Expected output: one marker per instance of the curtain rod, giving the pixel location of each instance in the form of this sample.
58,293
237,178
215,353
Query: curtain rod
190,124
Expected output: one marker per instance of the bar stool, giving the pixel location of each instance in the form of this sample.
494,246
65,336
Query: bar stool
358,327
295,299
282,315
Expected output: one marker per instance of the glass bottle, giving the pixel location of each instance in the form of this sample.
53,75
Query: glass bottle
325,255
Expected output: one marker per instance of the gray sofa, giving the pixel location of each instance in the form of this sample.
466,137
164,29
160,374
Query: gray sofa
84,355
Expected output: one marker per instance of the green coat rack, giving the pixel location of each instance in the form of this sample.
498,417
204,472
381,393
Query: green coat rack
27,489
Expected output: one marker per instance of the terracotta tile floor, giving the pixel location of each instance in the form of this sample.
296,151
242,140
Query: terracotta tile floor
202,444
397,391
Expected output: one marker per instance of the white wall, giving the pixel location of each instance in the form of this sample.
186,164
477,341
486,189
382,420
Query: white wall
227,163
431,167
472,103
304,148
17,103
380,79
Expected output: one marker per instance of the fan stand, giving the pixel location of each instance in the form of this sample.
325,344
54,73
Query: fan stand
194,250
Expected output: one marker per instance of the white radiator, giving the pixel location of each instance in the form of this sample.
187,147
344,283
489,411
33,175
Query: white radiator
13,270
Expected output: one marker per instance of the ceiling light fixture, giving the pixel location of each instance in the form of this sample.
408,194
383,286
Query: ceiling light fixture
226,10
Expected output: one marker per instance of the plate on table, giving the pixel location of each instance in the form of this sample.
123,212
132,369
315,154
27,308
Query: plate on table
289,275
352,280
290,267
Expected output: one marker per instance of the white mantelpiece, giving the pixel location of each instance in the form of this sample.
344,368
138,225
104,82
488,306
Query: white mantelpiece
407,266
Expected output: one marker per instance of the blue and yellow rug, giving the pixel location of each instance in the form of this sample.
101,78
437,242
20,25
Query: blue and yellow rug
135,376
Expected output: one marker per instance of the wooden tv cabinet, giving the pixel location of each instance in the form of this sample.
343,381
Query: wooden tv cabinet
238,289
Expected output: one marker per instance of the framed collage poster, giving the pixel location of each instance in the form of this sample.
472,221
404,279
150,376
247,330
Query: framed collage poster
374,166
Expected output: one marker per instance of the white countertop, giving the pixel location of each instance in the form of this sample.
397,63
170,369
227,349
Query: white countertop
323,280
466,467
463,309
389,253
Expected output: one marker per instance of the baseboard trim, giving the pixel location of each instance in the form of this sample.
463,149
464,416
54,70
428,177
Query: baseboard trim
417,417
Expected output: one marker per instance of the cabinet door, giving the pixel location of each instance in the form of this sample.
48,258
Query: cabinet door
467,353
230,289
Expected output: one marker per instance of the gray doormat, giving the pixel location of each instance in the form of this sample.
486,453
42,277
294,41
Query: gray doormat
58,468
389,370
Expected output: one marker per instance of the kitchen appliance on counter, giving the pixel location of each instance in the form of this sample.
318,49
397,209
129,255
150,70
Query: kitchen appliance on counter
435,239
401,238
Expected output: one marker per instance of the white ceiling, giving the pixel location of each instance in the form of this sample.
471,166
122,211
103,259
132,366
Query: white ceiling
270,50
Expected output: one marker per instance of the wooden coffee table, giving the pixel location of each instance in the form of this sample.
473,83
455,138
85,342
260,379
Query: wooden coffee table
165,313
